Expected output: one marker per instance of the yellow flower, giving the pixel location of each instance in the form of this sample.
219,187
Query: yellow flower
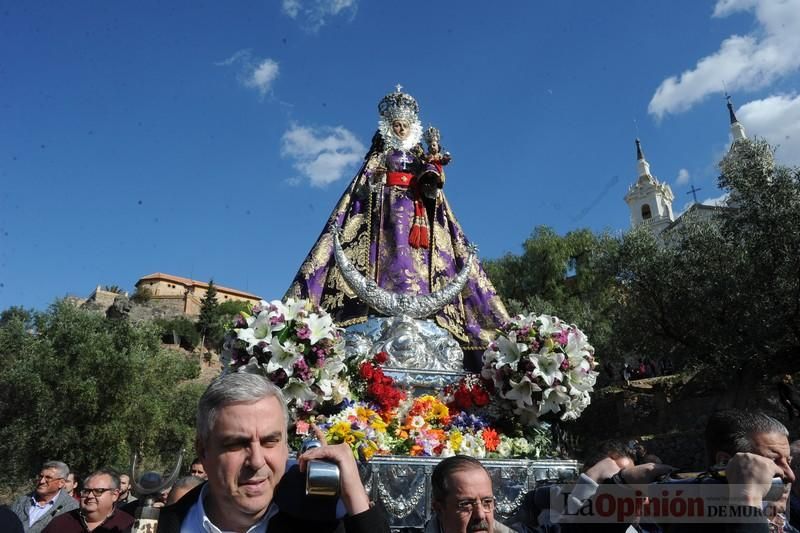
455,440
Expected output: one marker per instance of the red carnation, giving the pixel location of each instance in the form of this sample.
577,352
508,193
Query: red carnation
366,370
381,357
481,398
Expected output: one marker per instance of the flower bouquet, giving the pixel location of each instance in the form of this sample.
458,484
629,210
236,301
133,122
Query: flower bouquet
297,346
540,365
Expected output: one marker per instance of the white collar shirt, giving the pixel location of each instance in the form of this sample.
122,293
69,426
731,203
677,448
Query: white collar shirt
197,521
36,511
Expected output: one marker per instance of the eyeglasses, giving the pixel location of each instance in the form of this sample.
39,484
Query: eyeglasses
96,492
467,506
48,479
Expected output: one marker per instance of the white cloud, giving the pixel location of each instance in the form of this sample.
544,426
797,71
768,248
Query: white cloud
254,73
776,119
744,63
315,13
683,177
720,200
321,154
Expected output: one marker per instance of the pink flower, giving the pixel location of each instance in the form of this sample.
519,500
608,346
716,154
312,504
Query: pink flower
303,333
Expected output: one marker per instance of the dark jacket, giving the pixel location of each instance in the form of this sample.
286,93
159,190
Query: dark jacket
71,522
298,513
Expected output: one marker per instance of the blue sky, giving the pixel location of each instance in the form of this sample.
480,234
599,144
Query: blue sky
211,140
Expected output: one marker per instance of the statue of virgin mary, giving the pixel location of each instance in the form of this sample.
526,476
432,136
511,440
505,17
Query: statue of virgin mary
396,227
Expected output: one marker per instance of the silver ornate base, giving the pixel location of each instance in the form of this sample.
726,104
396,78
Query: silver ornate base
411,343
422,356
402,485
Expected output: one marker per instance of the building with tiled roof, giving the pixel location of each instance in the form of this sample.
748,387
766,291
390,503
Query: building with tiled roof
184,294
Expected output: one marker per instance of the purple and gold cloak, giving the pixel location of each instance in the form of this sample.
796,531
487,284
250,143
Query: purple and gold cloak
376,222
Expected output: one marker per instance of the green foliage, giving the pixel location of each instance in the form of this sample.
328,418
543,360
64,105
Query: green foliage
724,291
89,391
565,276
141,295
231,308
181,327
208,321
114,288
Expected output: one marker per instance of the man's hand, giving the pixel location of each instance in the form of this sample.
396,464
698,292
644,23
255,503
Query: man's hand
353,494
750,478
644,473
602,470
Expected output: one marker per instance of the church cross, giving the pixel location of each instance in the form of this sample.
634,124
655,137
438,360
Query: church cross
693,192
405,160
399,87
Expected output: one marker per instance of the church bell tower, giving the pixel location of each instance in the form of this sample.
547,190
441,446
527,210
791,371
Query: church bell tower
649,200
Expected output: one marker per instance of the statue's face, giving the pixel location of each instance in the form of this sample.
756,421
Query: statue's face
401,129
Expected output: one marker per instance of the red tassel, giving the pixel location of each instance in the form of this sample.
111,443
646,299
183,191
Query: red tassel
424,237
414,238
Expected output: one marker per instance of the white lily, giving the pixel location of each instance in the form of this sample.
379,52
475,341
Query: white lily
319,327
548,367
552,399
522,391
283,356
509,350
548,325
298,390
261,326
581,380
290,309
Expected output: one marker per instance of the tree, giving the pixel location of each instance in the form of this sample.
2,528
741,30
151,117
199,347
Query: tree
208,321
722,292
114,288
564,276
90,391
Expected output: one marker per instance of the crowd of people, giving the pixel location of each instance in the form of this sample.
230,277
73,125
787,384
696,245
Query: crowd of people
244,481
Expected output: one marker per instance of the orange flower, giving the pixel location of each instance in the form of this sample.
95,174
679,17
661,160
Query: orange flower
490,439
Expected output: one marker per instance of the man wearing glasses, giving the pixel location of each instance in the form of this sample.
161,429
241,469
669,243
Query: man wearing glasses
36,509
97,512
463,499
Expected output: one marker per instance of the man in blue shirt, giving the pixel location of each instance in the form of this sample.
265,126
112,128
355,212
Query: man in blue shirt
36,509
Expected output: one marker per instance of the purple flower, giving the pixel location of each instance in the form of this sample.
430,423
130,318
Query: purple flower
275,320
301,369
303,333
468,422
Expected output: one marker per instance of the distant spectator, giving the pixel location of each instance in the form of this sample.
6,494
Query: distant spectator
97,513
626,373
182,486
788,396
197,469
71,486
36,509
125,494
